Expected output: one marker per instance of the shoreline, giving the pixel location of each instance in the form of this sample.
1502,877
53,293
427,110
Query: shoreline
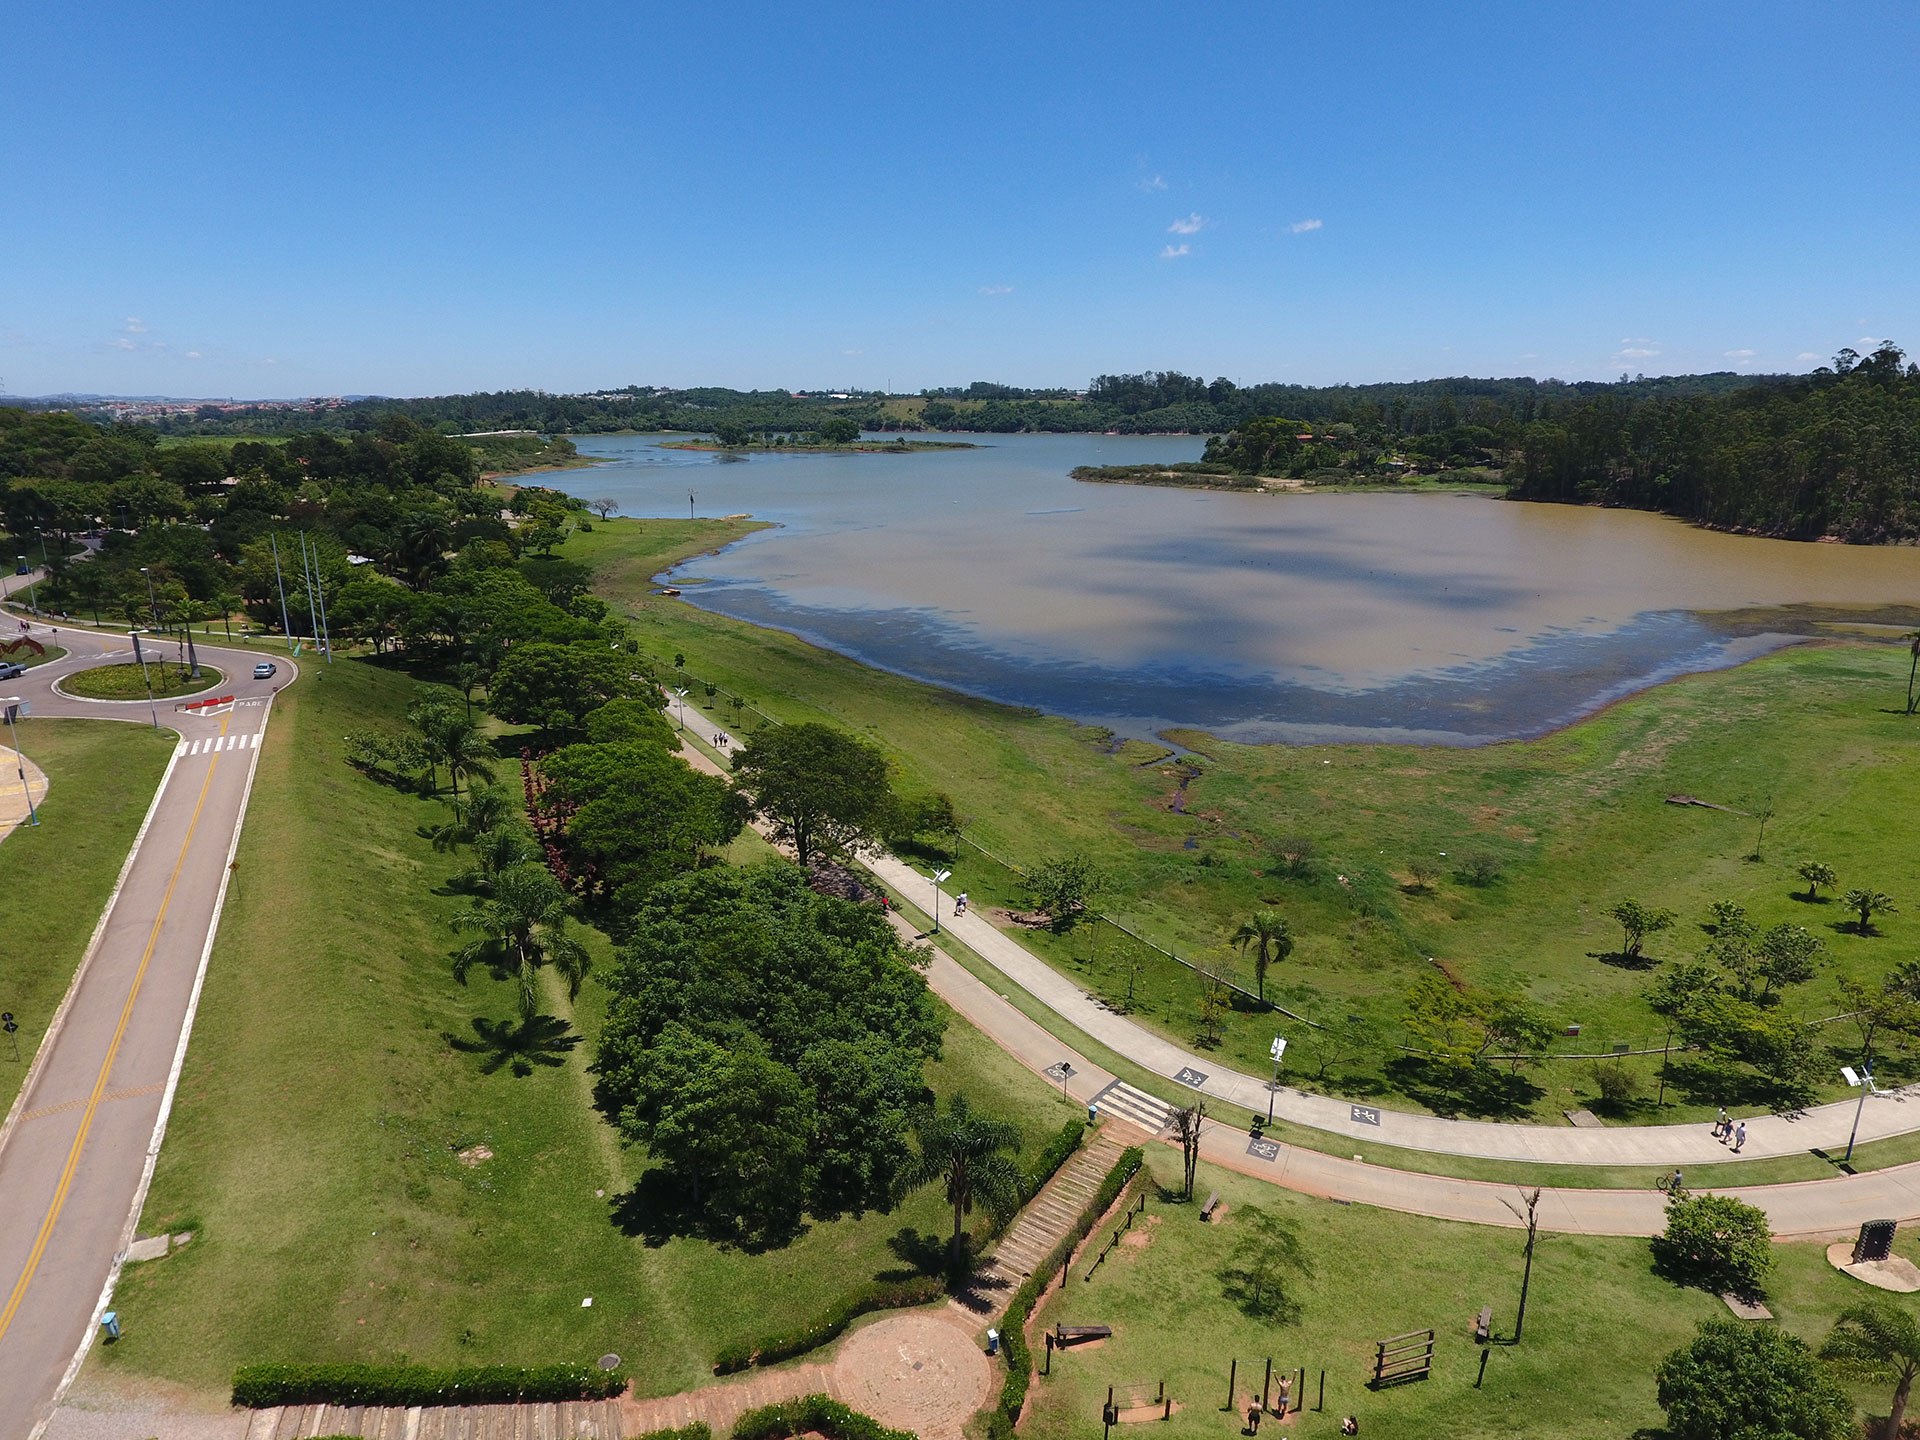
877,447
1182,738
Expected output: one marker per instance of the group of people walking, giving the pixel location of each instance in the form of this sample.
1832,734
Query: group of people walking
1726,1129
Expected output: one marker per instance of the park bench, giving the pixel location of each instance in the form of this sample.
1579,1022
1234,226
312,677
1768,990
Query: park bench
1213,1202
1065,1335
1483,1327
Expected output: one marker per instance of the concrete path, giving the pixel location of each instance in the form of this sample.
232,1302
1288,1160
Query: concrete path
1807,1209
78,1146
1894,1112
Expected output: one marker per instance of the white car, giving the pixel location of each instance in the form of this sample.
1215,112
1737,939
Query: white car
264,670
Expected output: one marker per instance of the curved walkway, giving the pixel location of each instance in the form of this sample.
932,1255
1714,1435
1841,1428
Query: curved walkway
1802,1210
1892,1112
14,809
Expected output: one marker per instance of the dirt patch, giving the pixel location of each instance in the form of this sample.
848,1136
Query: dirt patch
921,1371
475,1155
1136,1240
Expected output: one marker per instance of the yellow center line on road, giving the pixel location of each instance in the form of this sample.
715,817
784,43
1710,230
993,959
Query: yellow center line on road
106,1065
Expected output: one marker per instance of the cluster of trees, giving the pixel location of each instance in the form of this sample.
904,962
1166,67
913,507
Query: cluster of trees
766,1044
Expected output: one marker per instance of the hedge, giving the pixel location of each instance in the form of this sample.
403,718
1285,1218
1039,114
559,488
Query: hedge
813,1414
772,1349
696,1431
1013,1329
259,1386
1059,1150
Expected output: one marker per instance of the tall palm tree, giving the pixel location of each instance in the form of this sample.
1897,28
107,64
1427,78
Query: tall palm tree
1877,1340
968,1153
524,921
1270,938
497,851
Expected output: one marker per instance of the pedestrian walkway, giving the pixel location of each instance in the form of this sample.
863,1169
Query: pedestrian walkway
579,1420
1043,1224
718,1406
1893,1112
1149,1112
217,744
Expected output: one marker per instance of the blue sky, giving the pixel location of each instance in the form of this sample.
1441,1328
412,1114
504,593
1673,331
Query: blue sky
419,198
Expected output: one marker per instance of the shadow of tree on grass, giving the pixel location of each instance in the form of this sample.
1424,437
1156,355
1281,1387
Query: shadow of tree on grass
518,1045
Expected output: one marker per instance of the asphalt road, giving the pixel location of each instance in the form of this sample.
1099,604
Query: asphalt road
76,1151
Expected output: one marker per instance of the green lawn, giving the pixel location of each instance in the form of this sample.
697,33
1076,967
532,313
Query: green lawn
28,659
128,681
101,777
1573,822
314,1148
1597,1322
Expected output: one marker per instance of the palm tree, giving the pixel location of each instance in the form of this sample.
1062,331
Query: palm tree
524,921
465,752
1867,904
495,852
487,810
1817,873
967,1152
1270,938
1876,1340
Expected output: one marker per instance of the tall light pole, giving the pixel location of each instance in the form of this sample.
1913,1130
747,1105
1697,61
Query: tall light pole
682,693
286,627
140,660
13,711
938,877
1865,1082
1278,1048
153,601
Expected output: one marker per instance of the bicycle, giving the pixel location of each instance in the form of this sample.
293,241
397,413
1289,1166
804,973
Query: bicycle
1671,1185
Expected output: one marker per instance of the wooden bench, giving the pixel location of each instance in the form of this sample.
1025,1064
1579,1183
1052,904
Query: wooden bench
1065,1335
1483,1327
1213,1203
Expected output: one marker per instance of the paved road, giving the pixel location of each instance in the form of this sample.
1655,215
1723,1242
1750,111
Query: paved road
76,1151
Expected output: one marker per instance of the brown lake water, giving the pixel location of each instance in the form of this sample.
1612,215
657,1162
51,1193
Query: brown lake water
1430,618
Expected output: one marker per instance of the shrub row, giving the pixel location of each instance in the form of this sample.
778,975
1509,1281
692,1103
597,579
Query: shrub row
1059,1150
772,1349
696,1431
813,1414
260,1386
1013,1329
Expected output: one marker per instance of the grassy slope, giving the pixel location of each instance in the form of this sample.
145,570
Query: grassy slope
101,777
1577,819
314,1145
1597,1322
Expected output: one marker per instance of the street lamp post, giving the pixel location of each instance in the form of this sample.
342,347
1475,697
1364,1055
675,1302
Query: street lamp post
20,761
1277,1049
682,693
140,660
938,877
1865,1081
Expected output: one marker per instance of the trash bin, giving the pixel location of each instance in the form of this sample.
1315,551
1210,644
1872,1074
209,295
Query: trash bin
110,1324
993,1342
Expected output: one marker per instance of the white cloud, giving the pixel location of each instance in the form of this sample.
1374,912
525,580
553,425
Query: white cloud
124,344
853,352
1738,354
996,289
1637,340
1636,352
1192,225
1174,252
1806,355
135,325
193,354
1300,227
1869,343
269,361
1531,355
1152,183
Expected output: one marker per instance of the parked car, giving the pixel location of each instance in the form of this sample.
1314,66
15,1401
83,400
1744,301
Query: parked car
264,670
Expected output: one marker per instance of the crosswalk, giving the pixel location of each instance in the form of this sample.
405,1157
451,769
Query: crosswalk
216,743
1123,1102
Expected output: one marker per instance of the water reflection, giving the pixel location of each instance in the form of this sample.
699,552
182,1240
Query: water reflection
1444,619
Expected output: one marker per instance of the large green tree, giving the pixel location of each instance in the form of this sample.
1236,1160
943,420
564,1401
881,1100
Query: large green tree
1740,1381
637,813
824,790
821,988
557,686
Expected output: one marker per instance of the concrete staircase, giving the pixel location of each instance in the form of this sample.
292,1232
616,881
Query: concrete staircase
1043,1224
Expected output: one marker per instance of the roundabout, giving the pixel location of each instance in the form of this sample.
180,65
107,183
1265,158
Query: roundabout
124,681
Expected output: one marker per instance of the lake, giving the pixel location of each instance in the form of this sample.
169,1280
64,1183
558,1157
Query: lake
1434,619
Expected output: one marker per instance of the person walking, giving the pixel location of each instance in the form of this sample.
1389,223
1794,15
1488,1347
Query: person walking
1739,1136
960,905
1723,1126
